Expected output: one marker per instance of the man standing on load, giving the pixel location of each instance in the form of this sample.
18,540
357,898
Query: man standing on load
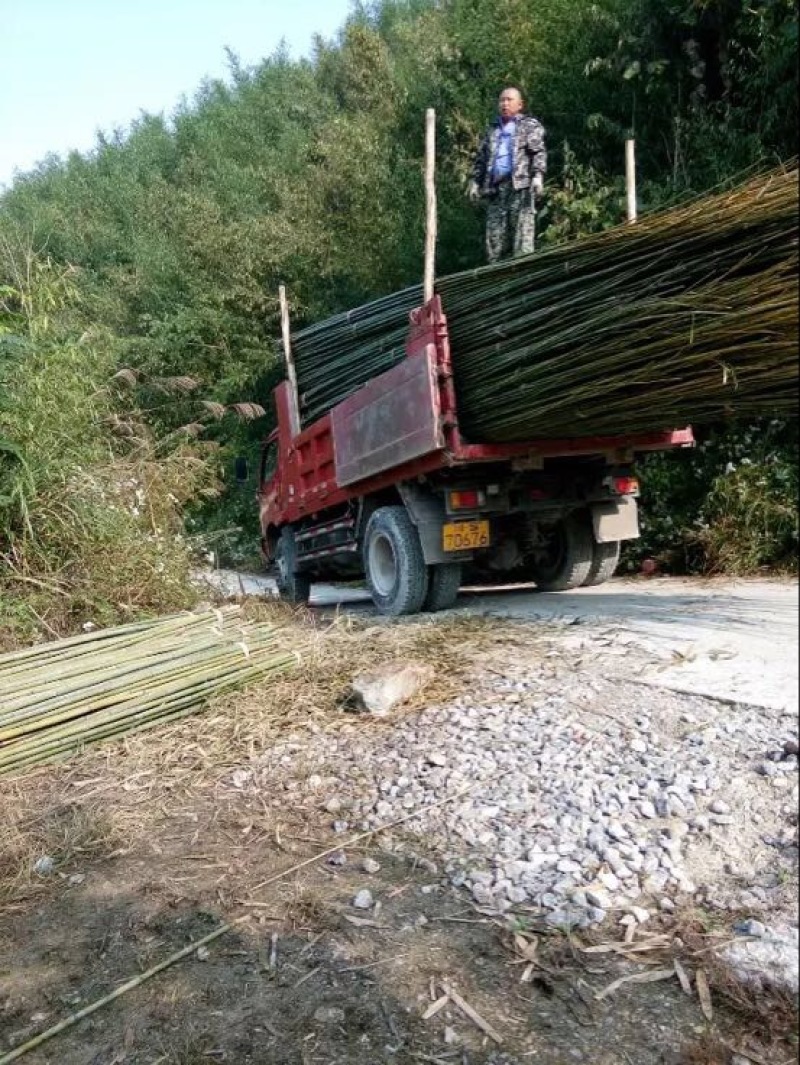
508,175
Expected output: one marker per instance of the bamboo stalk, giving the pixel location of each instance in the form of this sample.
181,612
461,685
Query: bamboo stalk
624,330
630,178
71,693
430,204
294,402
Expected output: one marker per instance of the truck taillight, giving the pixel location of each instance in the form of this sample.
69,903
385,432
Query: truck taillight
626,486
469,500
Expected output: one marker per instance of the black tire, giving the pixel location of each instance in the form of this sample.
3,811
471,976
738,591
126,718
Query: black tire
566,561
443,584
397,576
604,563
294,587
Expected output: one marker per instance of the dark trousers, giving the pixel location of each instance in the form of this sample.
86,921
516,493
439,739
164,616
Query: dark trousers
510,222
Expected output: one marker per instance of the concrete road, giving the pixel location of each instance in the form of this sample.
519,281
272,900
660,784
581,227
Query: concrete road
735,640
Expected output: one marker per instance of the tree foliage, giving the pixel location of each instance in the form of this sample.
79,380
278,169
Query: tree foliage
178,231
91,499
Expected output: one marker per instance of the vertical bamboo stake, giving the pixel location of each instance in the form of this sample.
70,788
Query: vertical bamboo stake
294,400
430,204
630,178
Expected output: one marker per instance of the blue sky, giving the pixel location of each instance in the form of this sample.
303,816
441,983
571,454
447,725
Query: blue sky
71,67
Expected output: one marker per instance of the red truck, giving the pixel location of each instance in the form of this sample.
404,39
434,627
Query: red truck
385,487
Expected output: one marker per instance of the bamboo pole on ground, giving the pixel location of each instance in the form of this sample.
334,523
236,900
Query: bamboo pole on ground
223,929
57,699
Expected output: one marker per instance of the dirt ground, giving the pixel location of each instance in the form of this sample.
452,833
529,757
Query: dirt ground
341,987
153,850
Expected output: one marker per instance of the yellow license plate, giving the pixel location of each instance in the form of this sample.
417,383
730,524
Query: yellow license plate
465,535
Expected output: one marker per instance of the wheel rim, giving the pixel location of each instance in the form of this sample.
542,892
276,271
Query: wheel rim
548,555
382,564
280,561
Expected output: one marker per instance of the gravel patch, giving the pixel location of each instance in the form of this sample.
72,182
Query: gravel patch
589,799
767,960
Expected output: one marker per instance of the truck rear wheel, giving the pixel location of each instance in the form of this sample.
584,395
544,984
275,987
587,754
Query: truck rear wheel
563,557
604,562
444,581
397,576
293,587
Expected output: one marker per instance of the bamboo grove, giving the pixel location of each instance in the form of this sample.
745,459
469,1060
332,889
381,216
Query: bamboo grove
175,234
688,316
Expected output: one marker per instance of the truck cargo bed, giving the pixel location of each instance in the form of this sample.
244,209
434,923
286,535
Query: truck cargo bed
404,423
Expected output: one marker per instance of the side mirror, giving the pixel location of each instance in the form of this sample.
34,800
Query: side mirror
240,469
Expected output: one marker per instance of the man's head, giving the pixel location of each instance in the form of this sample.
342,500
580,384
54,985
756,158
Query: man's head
510,103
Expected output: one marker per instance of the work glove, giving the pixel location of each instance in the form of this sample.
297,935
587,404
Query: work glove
473,192
538,184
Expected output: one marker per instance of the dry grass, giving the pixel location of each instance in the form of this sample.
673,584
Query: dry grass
69,834
765,1023
711,1050
193,1050
306,908
146,778
239,728
706,1051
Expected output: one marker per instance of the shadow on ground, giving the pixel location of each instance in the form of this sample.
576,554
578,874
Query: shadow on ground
344,986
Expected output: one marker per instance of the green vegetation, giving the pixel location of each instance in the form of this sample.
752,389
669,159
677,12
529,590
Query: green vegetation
90,498
162,250
727,506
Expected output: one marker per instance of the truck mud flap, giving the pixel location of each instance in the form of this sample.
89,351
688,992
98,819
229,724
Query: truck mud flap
428,514
615,520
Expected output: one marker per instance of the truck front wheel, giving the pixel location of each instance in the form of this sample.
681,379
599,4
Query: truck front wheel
397,576
294,587
561,555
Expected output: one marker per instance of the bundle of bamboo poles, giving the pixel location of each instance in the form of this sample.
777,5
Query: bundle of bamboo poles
59,697
689,315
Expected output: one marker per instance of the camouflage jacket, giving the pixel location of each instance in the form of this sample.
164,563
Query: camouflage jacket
530,156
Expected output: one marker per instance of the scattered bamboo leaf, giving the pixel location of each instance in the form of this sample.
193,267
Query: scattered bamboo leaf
435,1007
683,977
636,978
473,1014
704,994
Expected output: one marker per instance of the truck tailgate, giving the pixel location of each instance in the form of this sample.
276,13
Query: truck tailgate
393,419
